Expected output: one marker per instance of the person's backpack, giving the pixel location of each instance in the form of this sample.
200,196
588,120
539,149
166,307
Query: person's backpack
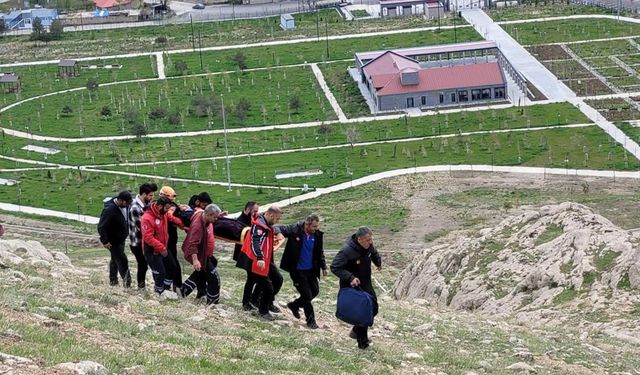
355,306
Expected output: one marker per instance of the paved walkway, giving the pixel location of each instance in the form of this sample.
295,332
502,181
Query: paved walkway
160,65
325,88
541,77
521,59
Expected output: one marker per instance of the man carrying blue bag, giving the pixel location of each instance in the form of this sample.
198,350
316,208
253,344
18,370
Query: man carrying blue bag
357,303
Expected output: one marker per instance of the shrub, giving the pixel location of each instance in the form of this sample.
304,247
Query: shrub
203,106
158,113
180,66
175,118
161,40
66,111
295,103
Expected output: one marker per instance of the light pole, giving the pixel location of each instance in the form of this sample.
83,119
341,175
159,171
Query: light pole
226,148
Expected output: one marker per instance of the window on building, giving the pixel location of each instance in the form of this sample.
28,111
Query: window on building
476,94
423,100
463,96
409,102
453,97
440,98
486,94
498,92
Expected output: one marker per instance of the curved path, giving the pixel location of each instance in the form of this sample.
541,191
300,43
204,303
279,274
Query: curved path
365,180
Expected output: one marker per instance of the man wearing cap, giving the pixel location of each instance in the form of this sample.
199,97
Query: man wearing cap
172,243
113,229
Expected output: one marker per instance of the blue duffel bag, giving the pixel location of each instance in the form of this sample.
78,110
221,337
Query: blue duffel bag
355,306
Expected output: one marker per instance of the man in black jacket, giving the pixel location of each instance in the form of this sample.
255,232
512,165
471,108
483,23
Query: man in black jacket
352,265
303,258
113,228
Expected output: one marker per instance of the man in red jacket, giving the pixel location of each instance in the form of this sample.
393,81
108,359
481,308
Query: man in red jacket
155,235
198,249
256,255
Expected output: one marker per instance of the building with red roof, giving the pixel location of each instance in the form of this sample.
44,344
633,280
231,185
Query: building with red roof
398,82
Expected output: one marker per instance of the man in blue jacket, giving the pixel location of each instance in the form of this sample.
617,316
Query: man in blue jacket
113,228
303,258
352,265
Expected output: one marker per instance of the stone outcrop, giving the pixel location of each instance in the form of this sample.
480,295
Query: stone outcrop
556,255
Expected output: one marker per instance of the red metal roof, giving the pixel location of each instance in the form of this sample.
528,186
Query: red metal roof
442,78
389,62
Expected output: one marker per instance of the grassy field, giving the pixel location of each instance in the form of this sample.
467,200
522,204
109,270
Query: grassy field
570,30
344,88
207,34
82,192
298,53
267,92
558,148
42,79
546,9
160,150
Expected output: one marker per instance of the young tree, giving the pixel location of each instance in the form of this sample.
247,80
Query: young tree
55,30
239,59
295,103
180,66
37,30
106,112
175,118
139,130
66,111
158,113
92,84
241,109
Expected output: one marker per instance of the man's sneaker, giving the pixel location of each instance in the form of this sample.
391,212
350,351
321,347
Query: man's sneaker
312,325
248,307
274,309
113,283
294,310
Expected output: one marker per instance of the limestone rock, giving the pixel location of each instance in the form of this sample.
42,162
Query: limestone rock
523,367
84,368
135,370
10,360
527,262
412,356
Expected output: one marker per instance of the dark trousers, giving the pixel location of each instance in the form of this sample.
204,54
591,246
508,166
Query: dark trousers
176,276
306,282
208,276
141,275
161,268
362,331
265,285
276,281
247,293
119,264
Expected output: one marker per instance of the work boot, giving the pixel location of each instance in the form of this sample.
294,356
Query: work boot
127,280
353,333
248,307
294,310
312,324
274,309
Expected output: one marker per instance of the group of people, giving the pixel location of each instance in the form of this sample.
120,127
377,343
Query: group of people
152,228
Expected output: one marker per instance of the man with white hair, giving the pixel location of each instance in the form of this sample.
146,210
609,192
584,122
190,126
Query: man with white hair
198,249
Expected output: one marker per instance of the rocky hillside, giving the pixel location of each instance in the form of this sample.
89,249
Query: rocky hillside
556,257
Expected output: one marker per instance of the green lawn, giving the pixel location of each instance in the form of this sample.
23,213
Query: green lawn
298,53
570,30
207,34
541,9
344,88
176,147
268,92
41,79
572,148
72,191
